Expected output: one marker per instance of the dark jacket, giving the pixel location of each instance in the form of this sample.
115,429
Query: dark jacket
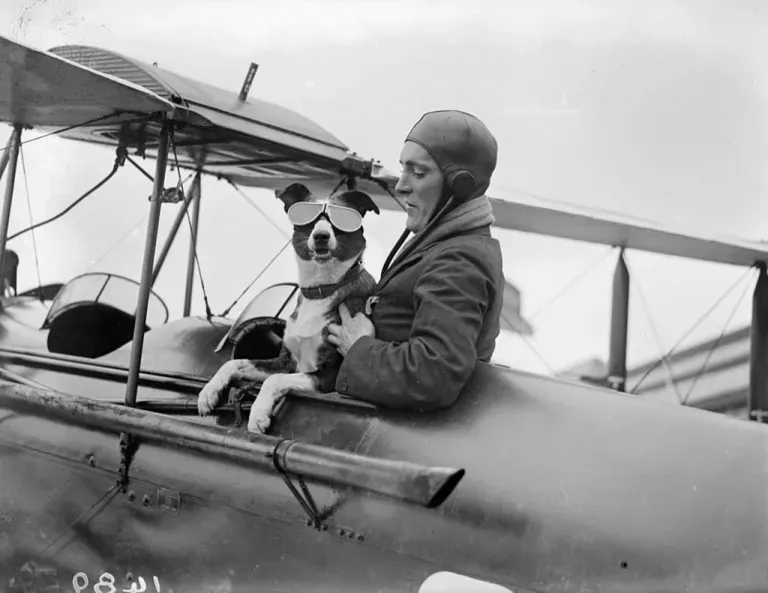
437,315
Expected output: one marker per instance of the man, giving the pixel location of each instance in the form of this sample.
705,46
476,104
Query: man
436,308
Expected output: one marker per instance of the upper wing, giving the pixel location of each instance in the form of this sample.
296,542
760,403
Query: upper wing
215,131
40,89
521,212
581,224
259,144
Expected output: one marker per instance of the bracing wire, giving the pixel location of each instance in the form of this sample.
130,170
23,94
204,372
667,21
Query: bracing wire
256,207
259,275
80,125
133,228
109,494
193,237
537,353
715,344
31,222
118,242
141,169
144,172
573,282
392,195
654,329
696,324
109,176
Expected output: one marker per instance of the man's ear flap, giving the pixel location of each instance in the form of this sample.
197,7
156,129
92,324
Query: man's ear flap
296,192
362,201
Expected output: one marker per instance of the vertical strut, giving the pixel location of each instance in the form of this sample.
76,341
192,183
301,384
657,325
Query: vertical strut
12,151
192,248
617,359
5,155
175,228
147,264
758,361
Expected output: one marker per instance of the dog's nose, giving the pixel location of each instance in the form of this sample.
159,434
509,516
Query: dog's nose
321,236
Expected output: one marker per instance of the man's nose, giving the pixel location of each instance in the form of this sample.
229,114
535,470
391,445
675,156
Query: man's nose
402,186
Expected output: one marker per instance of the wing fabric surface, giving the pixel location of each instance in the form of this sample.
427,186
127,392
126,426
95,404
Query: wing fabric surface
261,145
40,89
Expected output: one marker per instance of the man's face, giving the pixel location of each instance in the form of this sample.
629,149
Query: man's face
420,184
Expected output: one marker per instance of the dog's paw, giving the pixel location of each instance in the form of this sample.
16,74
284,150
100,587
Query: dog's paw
209,398
259,420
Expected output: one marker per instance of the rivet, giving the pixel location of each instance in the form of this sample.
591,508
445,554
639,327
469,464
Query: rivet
360,537
129,577
146,500
131,495
342,532
91,460
351,534
309,522
323,528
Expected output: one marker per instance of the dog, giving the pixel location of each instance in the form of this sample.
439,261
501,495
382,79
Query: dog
329,243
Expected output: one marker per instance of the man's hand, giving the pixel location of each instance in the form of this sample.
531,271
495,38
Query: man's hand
350,331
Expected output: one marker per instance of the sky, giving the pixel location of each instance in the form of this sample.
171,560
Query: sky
653,109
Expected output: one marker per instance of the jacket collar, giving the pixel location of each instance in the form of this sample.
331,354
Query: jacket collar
472,215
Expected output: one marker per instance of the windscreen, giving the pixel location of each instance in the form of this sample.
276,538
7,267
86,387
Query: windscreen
278,301
108,289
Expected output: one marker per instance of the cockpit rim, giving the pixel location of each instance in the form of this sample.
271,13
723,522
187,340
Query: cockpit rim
54,312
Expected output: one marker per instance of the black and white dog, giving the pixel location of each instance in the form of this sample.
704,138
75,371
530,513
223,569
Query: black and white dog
329,244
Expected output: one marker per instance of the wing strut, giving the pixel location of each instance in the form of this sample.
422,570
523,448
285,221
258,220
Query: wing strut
128,444
193,228
5,216
6,154
758,363
617,359
153,223
193,192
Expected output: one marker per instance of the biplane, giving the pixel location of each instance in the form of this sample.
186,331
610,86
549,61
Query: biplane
109,480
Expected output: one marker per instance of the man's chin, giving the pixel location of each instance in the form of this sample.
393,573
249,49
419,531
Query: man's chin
413,224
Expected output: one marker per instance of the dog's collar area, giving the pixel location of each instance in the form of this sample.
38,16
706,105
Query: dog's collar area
323,291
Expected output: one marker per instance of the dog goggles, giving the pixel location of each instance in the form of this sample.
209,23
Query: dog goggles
343,218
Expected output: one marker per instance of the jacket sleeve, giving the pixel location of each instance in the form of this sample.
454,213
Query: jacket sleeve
431,368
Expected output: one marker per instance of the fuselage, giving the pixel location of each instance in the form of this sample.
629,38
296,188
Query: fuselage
567,488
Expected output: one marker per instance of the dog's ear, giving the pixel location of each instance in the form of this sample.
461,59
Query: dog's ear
296,192
360,201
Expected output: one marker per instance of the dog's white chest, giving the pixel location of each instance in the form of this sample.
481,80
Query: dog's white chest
304,334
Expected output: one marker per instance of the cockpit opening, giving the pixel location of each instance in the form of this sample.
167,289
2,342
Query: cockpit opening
258,331
94,314
260,338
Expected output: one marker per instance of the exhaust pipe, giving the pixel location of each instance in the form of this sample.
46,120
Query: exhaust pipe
423,485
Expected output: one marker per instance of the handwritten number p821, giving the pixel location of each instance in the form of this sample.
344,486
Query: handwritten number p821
106,584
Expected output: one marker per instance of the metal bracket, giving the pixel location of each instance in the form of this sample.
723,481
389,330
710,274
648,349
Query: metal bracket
306,501
246,88
128,446
171,195
304,497
235,398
